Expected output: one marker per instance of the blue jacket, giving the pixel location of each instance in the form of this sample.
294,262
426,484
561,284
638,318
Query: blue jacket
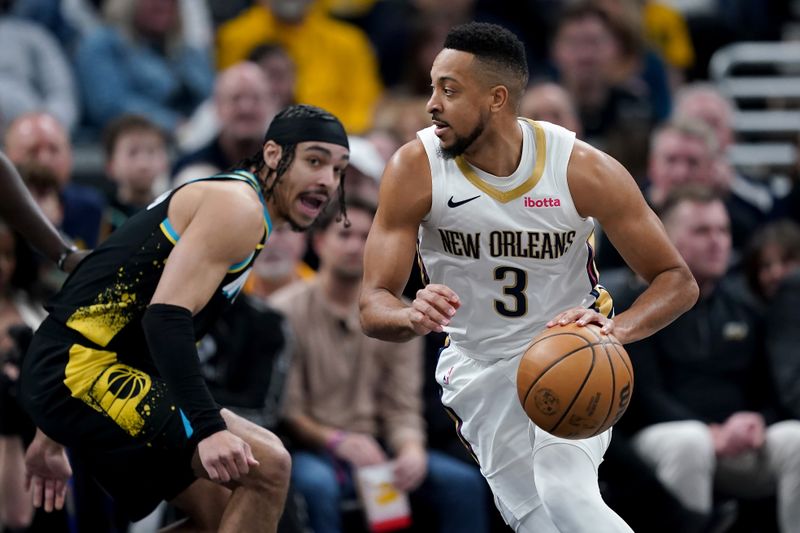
119,76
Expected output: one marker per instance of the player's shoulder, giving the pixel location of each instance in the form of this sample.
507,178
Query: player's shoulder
588,165
409,159
406,183
219,205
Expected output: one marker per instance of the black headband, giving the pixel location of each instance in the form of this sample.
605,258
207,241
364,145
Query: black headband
301,129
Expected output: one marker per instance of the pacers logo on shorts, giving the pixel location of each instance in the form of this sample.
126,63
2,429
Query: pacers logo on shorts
118,392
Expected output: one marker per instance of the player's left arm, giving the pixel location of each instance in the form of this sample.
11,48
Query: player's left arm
194,269
601,188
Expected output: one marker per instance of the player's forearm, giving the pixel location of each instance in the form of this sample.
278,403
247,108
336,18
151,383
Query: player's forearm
670,294
20,210
384,316
169,332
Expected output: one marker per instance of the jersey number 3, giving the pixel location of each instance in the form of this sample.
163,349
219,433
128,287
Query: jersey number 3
515,289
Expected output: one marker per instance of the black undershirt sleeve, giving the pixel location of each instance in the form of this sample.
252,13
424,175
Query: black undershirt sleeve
169,331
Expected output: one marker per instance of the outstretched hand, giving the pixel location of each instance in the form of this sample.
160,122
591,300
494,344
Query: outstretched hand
47,472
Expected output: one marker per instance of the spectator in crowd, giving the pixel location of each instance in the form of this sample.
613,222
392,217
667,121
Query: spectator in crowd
750,201
683,151
20,314
39,139
280,264
402,116
772,270
280,70
705,415
137,165
666,30
34,73
686,151
243,107
336,67
586,51
384,140
72,20
363,174
549,101
16,309
141,62
354,401
638,67
772,253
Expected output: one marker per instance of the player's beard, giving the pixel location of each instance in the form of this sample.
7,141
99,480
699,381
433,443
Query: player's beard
461,144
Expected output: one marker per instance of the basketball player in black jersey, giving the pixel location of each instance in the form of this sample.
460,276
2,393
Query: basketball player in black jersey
113,372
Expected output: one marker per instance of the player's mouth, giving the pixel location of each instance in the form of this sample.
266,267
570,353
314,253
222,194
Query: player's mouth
441,127
312,203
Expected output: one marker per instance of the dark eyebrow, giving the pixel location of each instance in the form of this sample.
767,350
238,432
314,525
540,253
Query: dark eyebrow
443,79
318,148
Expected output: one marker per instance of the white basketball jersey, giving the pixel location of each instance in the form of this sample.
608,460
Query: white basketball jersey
514,249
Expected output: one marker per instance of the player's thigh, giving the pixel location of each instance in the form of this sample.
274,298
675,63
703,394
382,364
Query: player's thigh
594,447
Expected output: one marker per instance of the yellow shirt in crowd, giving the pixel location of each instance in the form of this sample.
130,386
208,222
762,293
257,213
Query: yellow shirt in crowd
666,29
336,67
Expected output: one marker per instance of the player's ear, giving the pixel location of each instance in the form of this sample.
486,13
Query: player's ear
272,154
499,98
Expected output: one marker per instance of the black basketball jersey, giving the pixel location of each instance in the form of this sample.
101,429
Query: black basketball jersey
104,299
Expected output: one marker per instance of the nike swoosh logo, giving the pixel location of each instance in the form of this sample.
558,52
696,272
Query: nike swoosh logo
451,203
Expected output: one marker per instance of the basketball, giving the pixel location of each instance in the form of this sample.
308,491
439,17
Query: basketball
575,382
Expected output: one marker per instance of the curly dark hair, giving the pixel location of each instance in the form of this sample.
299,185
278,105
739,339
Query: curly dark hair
784,234
255,163
495,46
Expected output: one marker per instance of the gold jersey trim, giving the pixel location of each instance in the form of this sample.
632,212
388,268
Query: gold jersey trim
506,196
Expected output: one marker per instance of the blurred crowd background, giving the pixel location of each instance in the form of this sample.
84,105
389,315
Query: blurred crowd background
105,104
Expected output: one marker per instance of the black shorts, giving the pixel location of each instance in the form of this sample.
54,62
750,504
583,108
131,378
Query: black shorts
121,421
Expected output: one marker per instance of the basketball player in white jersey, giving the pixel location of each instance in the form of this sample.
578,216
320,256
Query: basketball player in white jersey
502,210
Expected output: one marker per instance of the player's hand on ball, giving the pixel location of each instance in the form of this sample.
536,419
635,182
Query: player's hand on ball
583,316
433,308
47,471
225,456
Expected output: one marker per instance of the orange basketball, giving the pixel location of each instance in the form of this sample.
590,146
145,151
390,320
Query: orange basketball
575,382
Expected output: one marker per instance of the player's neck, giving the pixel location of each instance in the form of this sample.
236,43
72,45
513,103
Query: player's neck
499,150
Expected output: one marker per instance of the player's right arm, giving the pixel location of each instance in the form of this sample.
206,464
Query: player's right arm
405,199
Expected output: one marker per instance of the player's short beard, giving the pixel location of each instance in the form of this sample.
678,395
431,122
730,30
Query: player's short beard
461,143
297,227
